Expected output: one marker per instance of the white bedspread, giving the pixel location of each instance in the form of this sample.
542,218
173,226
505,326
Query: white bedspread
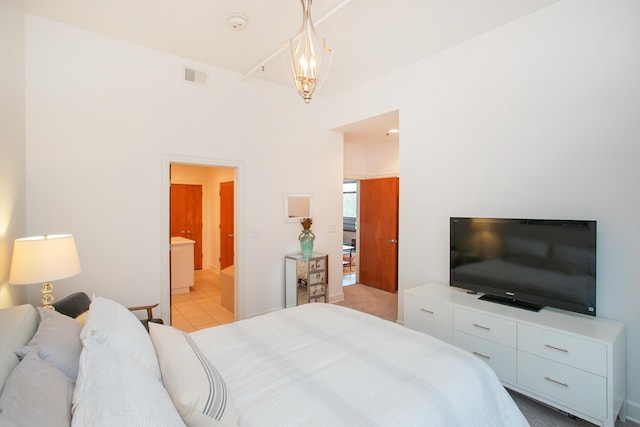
326,365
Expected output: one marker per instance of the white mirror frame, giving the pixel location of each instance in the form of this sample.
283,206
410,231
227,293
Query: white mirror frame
297,206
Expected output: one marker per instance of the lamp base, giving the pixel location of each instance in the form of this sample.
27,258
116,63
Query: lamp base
47,296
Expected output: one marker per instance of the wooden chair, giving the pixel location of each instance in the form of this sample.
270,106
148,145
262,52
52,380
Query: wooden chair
150,317
77,303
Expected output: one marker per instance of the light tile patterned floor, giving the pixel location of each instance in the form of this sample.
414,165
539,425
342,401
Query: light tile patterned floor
201,307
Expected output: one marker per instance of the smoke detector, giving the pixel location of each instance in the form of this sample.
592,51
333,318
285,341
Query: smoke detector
237,21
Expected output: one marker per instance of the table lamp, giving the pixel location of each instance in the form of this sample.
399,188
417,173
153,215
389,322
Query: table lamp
42,259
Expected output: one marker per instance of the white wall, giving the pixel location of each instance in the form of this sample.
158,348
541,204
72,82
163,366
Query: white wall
538,118
102,118
13,216
366,161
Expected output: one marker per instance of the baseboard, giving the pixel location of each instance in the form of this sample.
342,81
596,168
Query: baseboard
633,412
336,297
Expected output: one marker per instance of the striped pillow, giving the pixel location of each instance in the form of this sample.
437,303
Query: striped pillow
195,386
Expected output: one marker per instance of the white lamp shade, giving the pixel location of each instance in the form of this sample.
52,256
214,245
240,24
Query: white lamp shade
43,258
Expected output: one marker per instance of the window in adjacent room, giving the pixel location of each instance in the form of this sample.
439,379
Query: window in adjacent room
349,207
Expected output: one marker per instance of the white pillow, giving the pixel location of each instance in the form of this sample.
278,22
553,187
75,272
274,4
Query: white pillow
57,341
113,390
36,394
112,324
82,318
195,386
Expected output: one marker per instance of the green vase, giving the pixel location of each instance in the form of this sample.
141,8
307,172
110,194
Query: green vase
306,242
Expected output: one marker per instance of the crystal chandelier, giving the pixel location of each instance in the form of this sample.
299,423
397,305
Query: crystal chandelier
309,56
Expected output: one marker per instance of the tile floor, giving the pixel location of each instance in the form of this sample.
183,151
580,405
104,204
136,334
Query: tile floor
348,279
201,307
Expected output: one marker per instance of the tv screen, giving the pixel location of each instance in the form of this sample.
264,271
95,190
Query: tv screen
531,263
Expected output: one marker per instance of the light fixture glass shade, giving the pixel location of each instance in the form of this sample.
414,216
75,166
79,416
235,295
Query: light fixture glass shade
42,259
309,56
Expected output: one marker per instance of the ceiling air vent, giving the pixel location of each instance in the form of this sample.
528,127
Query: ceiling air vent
195,76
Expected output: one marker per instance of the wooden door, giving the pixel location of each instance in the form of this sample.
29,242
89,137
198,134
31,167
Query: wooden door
378,256
186,217
226,225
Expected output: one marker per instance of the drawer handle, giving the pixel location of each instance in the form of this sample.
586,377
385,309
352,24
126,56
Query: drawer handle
426,311
481,327
484,356
556,382
556,348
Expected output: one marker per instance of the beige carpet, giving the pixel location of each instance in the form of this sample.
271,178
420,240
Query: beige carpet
371,300
540,415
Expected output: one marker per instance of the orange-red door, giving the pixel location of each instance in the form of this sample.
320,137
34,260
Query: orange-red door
378,256
186,217
226,225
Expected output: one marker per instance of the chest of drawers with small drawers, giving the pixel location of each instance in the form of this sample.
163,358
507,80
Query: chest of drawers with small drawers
306,279
567,360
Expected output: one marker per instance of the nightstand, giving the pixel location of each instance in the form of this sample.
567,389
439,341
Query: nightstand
306,279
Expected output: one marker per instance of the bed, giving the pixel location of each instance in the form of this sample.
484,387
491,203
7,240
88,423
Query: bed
314,364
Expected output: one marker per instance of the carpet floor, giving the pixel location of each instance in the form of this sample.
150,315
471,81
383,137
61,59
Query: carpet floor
371,300
540,415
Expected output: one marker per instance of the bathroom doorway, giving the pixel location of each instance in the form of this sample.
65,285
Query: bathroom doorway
202,304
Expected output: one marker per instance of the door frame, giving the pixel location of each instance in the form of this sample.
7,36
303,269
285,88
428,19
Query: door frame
165,238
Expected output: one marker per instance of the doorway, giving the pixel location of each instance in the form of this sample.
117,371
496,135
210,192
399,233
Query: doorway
370,233
196,199
371,153
379,233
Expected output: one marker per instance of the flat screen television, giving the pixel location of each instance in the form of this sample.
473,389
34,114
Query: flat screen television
530,263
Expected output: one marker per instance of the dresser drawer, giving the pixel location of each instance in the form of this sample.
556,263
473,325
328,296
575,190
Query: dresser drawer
500,358
427,310
574,388
431,317
315,290
485,326
317,277
437,331
316,264
572,351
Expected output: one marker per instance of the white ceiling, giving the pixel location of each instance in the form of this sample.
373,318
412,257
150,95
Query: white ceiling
369,38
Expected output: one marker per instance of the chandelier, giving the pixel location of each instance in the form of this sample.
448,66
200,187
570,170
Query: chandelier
309,56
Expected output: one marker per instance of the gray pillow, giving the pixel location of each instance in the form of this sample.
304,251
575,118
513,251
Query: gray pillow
36,394
19,323
57,341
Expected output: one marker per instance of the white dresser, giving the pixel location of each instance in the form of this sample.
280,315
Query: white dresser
571,361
